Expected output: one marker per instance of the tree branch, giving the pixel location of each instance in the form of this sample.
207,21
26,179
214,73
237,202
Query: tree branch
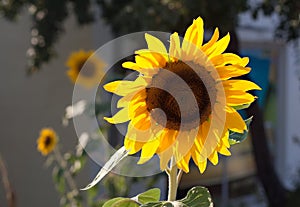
10,195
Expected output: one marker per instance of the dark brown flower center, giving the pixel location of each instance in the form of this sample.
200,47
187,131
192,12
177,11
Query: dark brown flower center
48,141
183,91
80,65
89,68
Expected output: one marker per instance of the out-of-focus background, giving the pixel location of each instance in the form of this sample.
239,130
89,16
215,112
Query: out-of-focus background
35,90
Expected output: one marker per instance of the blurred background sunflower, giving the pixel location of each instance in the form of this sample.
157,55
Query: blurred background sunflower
47,141
85,68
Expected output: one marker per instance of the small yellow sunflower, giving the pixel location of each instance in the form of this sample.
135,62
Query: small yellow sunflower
47,141
93,68
183,103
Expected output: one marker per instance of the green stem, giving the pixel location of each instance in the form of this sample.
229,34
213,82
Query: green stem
72,185
173,184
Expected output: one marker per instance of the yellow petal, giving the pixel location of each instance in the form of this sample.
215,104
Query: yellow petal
136,108
193,37
182,145
191,33
174,50
198,144
225,59
225,139
124,87
144,62
202,166
167,140
219,47
120,117
157,59
125,101
141,122
234,121
226,72
155,45
242,85
148,151
136,134
212,41
136,67
224,151
184,163
237,98
165,157
132,146
141,109
131,65
213,158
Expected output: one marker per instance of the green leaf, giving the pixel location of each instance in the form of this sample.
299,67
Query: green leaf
59,179
151,195
240,107
110,202
165,204
120,202
235,138
197,197
109,165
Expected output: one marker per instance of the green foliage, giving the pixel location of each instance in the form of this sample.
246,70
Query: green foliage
116,185
58,178
127,16
196,197
170,15
47,24
235,138
289,14
121,202
151,195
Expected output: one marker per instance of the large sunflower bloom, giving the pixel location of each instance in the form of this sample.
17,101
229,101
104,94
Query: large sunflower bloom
191,83
93,68
47,141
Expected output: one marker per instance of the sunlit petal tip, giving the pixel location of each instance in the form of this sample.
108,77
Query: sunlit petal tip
213,158
130,65
108,119
155,45
244,61
202,166
199,20
185,169
227,37
224,151
143,160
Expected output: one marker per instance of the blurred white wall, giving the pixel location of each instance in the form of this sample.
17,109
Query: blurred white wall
260,34
29,103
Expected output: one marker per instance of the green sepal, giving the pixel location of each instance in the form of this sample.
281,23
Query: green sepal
235,138
240,107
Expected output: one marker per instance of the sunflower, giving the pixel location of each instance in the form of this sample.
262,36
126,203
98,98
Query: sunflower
47,141
93,68
183,103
